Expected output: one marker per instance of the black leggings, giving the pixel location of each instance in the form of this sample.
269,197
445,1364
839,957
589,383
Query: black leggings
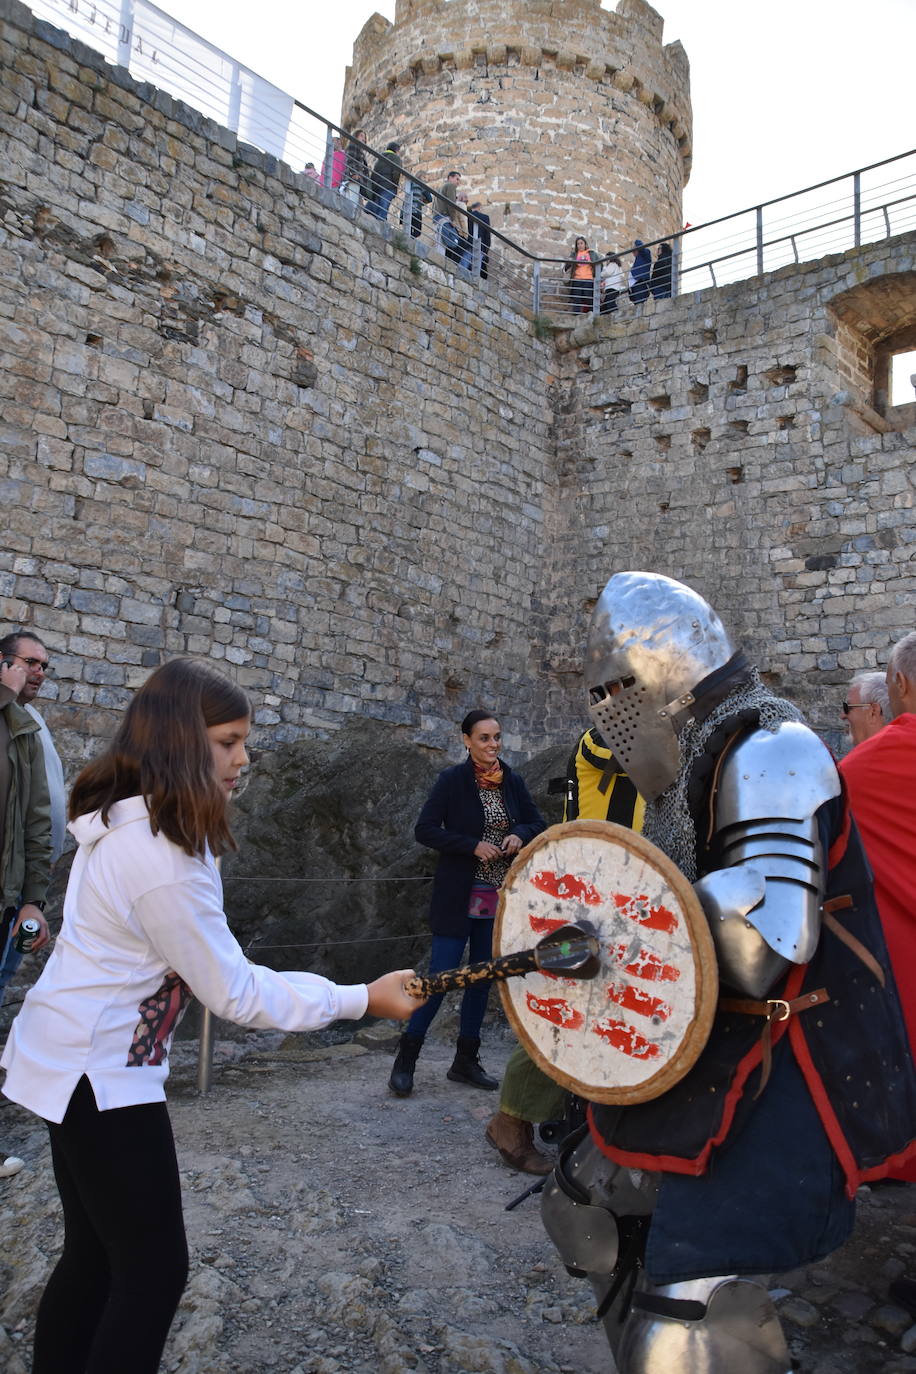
110,1301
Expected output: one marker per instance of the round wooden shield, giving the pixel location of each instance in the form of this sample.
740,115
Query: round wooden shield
631,1032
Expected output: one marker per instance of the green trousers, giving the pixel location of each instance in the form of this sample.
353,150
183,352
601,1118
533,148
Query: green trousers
527,1092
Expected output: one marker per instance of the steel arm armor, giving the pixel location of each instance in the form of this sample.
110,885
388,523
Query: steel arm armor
763,903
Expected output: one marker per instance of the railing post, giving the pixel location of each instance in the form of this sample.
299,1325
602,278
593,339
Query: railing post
234,109
407,211
596,291
676,265
760,240
476,250
327,171
125,33
536,289
205,1051
857,209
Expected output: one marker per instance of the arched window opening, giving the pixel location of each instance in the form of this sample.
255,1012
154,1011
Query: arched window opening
903,378
873,350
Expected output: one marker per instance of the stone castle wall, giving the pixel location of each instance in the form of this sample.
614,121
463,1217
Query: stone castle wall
563,117
728,438
238,422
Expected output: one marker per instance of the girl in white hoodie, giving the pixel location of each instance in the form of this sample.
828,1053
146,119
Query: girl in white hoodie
143,932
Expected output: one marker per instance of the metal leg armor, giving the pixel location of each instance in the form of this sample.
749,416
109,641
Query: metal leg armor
597,1214
703,1326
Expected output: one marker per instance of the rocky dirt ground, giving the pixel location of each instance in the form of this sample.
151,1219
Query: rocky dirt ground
335,1229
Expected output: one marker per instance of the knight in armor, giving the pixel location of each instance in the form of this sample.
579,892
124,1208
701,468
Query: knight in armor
748,1165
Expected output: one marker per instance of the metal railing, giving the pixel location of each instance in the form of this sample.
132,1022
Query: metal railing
832,216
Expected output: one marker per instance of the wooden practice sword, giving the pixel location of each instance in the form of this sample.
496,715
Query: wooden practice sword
571,950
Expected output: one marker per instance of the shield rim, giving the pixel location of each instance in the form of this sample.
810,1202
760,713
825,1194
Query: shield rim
705,962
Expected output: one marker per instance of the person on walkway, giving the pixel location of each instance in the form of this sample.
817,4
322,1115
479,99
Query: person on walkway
613,284
660,279
447,203
596,788
465,261
356,172
867,708
333,169
416,198
750,1163
449,219
581,271
477,817
27,649
386,177
25,824
640,273
479,228
143,931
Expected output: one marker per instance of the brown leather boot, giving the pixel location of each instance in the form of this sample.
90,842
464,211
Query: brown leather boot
514,1139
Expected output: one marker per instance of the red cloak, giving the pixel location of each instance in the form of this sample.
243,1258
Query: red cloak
880,776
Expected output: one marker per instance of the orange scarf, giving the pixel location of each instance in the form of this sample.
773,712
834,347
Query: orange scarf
489,777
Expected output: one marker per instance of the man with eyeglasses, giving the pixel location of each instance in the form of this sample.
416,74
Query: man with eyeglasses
25,808
866,709
25,652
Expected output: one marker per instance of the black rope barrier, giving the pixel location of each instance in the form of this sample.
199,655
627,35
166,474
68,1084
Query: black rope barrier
337,944
256,878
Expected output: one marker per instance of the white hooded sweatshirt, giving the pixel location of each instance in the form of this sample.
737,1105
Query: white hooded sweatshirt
143,931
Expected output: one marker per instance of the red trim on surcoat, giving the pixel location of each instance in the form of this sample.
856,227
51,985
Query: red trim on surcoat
678,1164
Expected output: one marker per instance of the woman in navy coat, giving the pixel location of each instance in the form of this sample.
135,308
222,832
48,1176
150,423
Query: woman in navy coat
477,817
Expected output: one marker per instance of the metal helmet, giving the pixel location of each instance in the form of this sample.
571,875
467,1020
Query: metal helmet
651,642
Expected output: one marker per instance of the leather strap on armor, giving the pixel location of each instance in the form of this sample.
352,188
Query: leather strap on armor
634,1233
679,1309
561,1173
774,1009
715,686
849,940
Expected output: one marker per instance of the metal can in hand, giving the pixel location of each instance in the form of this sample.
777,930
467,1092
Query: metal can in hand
26,935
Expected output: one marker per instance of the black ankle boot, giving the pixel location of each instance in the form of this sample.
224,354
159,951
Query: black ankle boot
466,1067
401,1080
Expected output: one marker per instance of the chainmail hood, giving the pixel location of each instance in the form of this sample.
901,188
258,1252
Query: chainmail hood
669,822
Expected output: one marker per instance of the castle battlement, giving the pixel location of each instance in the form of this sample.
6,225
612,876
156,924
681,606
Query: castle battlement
565,117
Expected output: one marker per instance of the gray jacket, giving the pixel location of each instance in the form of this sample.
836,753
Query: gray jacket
25,863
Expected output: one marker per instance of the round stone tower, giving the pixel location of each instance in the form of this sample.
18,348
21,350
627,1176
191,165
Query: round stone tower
563,118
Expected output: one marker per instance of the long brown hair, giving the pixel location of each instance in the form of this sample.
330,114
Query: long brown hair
162,752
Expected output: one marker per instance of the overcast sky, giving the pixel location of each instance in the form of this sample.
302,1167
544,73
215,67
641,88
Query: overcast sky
784,94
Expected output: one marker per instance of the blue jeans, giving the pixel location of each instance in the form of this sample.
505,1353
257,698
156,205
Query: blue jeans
381,204
446,953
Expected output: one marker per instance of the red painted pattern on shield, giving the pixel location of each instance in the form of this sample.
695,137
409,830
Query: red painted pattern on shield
646,965
634,999
627,1039
652,917
556,1010
543,925
567,886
